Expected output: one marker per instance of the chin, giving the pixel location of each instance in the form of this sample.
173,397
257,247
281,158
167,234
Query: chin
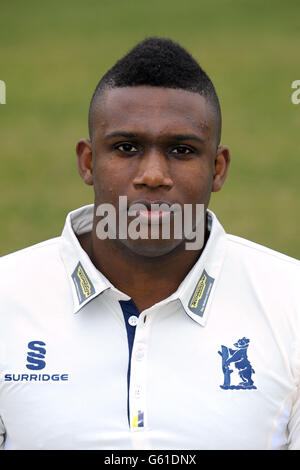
152,248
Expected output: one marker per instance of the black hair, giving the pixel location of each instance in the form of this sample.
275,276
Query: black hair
159,62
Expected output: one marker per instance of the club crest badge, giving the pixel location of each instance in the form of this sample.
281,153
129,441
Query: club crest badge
238,358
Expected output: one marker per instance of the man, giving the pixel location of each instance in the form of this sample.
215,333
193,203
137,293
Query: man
125,342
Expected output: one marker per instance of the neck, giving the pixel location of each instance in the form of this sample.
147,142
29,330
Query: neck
147,280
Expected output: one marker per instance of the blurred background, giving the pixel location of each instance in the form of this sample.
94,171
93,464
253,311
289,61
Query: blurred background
52,55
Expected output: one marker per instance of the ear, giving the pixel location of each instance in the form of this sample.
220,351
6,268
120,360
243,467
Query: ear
84,160
221,167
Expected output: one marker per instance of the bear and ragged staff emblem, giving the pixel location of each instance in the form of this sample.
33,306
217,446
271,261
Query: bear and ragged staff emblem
239,358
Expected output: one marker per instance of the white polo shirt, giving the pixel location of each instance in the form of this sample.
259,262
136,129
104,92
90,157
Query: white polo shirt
214,366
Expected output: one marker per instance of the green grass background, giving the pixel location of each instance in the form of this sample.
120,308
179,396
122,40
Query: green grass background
52,55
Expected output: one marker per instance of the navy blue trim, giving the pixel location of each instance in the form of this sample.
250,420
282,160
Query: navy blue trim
129,308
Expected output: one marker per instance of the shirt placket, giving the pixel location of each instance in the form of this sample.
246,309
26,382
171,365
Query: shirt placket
138,376
137,326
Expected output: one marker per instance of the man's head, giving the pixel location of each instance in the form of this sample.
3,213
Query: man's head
158,62
155,126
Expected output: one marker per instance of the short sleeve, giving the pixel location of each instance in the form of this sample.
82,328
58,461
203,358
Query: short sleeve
294,424
2,434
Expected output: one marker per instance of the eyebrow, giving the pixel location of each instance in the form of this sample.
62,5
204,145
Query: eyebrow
129,135
178,137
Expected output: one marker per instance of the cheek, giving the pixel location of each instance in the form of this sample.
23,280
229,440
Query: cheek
104,182
196,184
111,179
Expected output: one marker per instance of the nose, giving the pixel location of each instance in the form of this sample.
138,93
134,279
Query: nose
153,171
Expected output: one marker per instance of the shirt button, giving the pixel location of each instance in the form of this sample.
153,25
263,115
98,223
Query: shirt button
139,354
133,320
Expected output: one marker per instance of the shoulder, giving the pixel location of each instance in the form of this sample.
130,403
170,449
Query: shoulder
28,262
250,248
39,249
266,263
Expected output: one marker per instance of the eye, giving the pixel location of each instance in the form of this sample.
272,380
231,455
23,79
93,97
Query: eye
126,147
182,150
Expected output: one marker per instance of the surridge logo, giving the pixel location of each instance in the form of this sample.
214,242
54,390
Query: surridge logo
84,287
84,282
35,361
199,291
36,356
200,296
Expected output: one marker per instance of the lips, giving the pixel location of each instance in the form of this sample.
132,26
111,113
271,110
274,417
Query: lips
153,217
152,211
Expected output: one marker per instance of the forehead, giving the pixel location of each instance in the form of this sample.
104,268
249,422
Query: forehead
153,111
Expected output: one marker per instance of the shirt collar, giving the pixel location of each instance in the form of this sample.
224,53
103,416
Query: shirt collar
195,292
86,281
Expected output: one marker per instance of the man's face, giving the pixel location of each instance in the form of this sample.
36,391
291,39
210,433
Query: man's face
153,145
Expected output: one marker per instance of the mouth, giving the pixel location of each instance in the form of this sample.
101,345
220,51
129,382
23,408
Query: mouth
152,211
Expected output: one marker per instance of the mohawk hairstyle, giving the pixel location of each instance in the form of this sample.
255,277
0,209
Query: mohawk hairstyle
159,62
